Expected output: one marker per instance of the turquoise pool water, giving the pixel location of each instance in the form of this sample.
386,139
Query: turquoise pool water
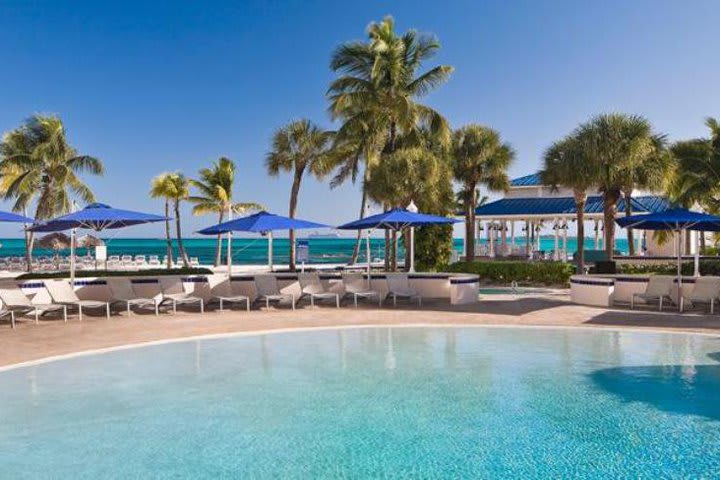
373,403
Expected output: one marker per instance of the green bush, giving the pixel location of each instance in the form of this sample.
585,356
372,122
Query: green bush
707,267
545,273
151,272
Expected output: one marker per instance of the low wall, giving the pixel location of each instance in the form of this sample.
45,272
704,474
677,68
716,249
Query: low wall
607,290
457,288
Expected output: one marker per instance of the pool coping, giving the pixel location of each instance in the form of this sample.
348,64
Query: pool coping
255,333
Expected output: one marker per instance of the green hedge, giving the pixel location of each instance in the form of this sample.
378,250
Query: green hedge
707,267
151,272
545,273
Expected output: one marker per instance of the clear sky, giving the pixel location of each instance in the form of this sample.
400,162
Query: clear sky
156,86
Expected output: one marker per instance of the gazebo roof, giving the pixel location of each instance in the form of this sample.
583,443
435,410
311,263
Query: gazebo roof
532,180
563,206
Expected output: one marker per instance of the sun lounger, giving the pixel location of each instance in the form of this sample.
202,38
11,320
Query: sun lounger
220,289
399,286
659,288
706,291
154,261
16,302
174,292
268,290
310,285
357,286
63,294
123,292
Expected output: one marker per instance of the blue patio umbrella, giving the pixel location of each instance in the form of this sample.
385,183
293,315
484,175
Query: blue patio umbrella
14,218
95,216
396,219
677,220
261,222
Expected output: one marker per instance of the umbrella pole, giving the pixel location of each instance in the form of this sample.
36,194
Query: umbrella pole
697,253
679,271
411,269
229,247
270,250
367,254
72,258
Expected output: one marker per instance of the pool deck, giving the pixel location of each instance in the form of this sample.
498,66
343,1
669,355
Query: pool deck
29,342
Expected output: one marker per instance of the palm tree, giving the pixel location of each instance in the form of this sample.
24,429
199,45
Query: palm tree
215,187
298,147
375,96
565,166
615,144
173,188
480,157
38,164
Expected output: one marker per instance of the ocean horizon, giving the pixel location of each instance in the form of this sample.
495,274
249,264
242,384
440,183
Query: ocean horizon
249,251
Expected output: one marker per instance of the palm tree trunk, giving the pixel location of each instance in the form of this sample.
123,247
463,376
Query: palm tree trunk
169,250
628,212
29,241
294,191
181,247
358,239
610,199
580,199
470,202
702,243
218,244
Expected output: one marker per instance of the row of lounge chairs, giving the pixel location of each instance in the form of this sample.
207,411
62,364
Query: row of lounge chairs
217,290
660,289
88,262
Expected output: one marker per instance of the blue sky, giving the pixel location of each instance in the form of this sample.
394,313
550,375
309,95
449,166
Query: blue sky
156,86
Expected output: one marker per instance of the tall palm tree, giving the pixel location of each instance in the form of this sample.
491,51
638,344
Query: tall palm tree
38,165
615,144
173,187
480,157
376,93
565,166
300,147
215,187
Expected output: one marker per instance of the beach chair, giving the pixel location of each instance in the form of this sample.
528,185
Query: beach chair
659,288
154,260
174,292
15,302
311,286
63,294
706,291
126,261
356,285
268,290
140,261
194,262
219,289
399,286
122,292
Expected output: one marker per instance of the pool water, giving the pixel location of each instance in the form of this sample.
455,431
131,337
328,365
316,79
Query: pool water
370,403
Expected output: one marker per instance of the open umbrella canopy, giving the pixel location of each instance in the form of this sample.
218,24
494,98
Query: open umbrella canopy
672,219
14,217
97,216
396,219
260,222
54,241
89,241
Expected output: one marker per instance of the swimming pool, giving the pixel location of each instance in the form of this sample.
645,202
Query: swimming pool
373,402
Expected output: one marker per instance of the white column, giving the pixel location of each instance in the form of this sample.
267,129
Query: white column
564,242
556,228
491,239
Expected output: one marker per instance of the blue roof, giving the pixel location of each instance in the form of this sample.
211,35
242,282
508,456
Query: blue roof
564,206
96,216
260,222
395,220
674,219
526,181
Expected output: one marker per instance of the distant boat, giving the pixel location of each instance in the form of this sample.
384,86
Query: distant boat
324,236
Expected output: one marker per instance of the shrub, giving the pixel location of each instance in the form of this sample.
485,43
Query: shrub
546,273
151,272
707,267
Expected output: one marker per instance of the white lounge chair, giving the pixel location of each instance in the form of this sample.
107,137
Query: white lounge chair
358,287
399,286
220,289
268,290
174,292
63,294
123,292
15,302
154,261
706,291
311,285
659,288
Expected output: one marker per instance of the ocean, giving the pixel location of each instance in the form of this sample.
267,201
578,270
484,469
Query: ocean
248,251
